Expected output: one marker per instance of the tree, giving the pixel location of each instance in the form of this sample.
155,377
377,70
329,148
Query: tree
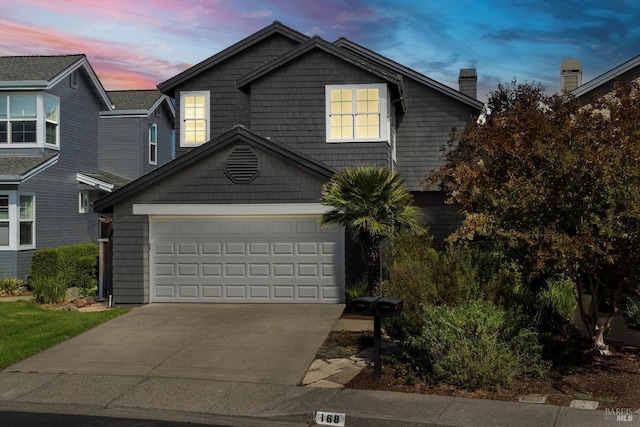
372,202
558,184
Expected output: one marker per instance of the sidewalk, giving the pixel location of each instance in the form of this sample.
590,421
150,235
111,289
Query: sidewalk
251,404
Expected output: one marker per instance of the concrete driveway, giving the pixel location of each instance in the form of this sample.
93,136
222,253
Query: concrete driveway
258,343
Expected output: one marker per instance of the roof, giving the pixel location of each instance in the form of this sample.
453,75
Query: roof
407,72
44,72
103,180
318,43
238,133
275,28
607,77
17,169
136,102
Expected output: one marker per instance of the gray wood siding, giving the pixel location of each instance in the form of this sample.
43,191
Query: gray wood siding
288,105
423,131
121,140
229,106
203,182
56,189
8,264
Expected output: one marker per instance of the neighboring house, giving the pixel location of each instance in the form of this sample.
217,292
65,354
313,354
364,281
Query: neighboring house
50,166
261,127
603,84
137,135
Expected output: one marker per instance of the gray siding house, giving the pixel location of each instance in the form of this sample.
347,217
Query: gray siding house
627,71
260,127
137,135
51,171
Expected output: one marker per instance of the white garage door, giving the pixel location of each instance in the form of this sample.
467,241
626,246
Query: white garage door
251,259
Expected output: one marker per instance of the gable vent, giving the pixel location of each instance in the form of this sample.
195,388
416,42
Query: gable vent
242,164
73,79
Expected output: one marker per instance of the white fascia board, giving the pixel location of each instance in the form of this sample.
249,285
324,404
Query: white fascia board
24,85
230,209
101,185
33,172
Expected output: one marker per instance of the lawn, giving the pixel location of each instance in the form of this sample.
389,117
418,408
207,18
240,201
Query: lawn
27,329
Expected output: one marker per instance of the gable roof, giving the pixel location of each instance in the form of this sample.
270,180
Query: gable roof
137,102
44,72
317,43
406,71
102,180
17,169
275,28
607,77
238,133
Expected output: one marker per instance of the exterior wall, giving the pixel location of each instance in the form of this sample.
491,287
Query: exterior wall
289,106
202,182
120,145
229,106
124,144
56,189
423,131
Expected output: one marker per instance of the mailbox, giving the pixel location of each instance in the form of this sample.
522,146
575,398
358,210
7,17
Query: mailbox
389,307
364,306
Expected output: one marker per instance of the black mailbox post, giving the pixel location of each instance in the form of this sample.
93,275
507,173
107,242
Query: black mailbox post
378,308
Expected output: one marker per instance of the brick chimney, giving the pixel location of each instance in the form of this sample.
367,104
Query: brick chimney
571,74
468,82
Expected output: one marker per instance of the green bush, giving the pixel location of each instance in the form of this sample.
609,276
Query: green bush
632,307
557,299
9,285
48,288
76,264
475,345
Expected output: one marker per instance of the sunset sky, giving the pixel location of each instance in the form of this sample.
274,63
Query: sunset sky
138,44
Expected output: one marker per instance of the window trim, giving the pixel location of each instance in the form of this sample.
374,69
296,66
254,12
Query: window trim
383,111
207,115
40,120
83,208
14,221
153,144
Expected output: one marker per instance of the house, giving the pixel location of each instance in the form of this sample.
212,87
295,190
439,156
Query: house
51,170
260,127
603,84
137,135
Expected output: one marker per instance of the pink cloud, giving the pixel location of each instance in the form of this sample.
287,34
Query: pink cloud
114,63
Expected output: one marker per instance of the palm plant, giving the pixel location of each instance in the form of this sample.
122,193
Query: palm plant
372,202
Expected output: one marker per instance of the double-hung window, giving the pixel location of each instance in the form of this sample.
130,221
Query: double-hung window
357,113
17,221
29,119
194,111
153,144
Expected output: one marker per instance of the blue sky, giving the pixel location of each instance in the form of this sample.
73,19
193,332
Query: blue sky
138,44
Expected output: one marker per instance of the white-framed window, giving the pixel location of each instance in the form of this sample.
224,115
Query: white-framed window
153,144
83,201
17,221
194,111
29,119
357,113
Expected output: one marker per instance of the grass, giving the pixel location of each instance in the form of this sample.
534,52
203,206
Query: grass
27,329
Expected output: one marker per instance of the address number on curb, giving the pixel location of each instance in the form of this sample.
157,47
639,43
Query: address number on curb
330,418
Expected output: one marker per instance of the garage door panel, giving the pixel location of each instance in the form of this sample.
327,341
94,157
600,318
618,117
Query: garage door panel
266,259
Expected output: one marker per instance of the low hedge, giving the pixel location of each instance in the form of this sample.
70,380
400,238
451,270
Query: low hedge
75,265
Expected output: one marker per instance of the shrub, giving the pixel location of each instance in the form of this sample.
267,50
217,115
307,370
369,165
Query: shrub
475,345
632,307
76,264
557,299
9,285
48,288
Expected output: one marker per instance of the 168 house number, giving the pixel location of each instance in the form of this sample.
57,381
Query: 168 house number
330,418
